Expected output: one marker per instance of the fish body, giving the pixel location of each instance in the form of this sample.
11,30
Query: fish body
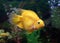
27,20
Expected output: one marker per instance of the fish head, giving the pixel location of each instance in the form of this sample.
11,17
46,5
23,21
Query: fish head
38,24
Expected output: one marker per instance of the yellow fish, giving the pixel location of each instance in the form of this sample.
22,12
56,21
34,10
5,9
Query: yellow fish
4,34
27,20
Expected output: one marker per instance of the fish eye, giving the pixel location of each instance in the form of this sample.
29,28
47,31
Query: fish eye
38,22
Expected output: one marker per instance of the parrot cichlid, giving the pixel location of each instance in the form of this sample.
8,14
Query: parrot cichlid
27,20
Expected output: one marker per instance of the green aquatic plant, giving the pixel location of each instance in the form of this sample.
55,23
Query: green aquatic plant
33,37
